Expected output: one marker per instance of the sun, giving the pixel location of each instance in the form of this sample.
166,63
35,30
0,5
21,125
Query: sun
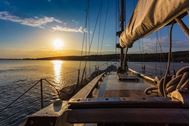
58,44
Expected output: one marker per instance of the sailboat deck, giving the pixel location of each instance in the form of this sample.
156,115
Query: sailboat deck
113,87
119,102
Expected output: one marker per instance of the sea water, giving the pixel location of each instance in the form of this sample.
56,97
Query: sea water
16,76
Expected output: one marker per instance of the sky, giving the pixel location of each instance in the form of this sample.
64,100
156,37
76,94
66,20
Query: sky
28,28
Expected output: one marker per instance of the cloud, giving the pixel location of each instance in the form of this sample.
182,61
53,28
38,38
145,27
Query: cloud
33,22
75,22
67,29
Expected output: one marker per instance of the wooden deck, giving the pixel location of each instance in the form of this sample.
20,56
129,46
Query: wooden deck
125,102
113,87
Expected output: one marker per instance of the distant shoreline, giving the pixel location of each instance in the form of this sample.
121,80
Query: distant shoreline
179,56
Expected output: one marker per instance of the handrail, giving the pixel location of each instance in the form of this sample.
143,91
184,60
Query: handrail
34,84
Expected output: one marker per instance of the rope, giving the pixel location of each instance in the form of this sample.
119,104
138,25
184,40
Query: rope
180,81
169,61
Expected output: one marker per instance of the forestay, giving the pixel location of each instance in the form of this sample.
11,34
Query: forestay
151,15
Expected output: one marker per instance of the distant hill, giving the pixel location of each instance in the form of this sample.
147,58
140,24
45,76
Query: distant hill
180,56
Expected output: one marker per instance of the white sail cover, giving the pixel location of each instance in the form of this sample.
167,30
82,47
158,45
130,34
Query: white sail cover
149,16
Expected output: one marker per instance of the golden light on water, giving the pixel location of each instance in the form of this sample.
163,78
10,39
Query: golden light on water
58,44
57,66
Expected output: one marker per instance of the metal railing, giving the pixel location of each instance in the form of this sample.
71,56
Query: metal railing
35,83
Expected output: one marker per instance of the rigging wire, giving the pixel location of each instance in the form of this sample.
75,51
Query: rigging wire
142,55
85,38
93,33
116,24
99,31
143,51
89,37
160,52
91,41
156,49
116,28
84,33
104,26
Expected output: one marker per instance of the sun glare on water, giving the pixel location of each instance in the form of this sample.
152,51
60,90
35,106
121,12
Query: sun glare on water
57,66
58,44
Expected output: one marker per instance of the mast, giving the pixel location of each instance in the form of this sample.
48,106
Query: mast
122,25
122,15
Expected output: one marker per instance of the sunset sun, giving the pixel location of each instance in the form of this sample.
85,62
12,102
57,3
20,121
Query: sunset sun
58,44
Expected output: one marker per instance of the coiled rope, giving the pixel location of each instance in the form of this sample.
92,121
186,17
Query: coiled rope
168,83
178,81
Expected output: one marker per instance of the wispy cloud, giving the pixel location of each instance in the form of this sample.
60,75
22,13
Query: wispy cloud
75,22
68,29
33,22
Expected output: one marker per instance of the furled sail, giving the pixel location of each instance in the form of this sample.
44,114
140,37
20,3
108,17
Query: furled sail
151,15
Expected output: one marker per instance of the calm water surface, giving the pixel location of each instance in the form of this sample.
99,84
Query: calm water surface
16,76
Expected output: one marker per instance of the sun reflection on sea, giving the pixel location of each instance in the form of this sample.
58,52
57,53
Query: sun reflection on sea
57,66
